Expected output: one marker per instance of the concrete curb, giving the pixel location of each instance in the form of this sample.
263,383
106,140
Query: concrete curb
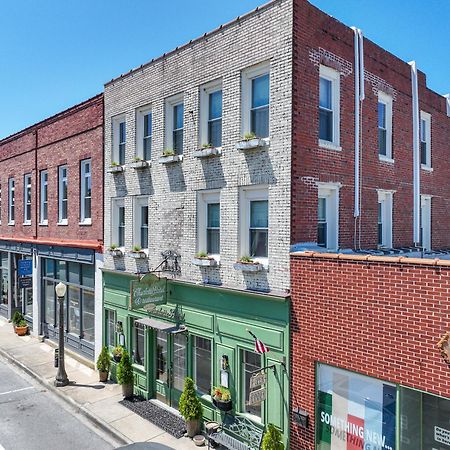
97,421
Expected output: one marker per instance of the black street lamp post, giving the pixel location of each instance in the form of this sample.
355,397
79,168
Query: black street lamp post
61,376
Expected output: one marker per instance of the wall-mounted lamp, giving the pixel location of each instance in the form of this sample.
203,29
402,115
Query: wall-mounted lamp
301,416
225,364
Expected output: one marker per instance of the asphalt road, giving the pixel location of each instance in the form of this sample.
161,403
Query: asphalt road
33,418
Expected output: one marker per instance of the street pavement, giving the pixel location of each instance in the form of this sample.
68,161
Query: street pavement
32,418
95,401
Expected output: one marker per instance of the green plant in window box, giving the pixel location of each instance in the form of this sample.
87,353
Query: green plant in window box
221,397
272,439
113,247
169,152
202,255
246,260
206,146
117,353
137,248
125,375
190,407
114,164
137,159
103,364
249,136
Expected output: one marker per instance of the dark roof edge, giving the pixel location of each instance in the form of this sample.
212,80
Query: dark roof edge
51,119
196,40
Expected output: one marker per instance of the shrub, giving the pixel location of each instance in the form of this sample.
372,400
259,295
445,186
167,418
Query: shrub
190,406
22,323
272,439
103,360
17,317
125,370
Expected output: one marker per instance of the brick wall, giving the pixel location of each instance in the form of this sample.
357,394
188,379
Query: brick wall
379,318
319,38
261,36
66,138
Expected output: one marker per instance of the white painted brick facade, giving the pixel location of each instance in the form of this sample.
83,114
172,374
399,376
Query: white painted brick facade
264,35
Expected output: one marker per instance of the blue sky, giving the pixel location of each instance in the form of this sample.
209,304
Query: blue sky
54,53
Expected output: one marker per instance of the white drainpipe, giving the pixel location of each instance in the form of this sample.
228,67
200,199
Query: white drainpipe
416,154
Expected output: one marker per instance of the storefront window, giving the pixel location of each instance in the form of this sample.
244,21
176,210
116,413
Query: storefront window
49,293
73,293
161,356
179,360
251,362
4,275
202,364
88,315
110,333
138,344
29,302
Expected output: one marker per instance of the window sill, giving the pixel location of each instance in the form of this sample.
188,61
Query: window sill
170,159
85,223
139,367
210,261
11,224
386,159
426,168
115,169
329,145
249,267
27,224
63,223
141,164
207,152
43,223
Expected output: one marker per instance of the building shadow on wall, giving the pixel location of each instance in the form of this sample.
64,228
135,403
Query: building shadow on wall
175,176
256,281
144,178
260,169
213,172
211,276
120,185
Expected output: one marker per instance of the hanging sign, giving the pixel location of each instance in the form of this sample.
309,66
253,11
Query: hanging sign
257,396
25,282
25,267
258,379
148,291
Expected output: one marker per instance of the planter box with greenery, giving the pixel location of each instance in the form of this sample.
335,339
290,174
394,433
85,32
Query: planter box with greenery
246,264
206,151
115,251
249,142
117,353
169,156
190,408
103,364
221,398
115,168
203,260
139,163
125,375
137,253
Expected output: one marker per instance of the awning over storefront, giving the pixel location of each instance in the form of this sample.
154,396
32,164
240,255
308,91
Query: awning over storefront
159,325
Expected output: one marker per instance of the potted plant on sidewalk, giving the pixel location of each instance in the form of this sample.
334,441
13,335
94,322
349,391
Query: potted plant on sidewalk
272,439
103,364
125,375
22,328
16,318
190,408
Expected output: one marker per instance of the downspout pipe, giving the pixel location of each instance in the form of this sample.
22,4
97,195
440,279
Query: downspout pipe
416,156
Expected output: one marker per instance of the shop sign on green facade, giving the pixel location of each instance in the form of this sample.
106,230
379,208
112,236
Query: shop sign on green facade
148,292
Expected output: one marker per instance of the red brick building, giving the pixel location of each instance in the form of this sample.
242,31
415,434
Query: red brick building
51,180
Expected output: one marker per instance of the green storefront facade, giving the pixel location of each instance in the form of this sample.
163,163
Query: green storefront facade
203,332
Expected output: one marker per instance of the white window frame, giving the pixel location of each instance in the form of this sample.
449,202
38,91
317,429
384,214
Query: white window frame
27,185
335,77
426,117
116,203
330,191
138,203
386,198
140,114
388,102
247,76
170,103
425,221
43,185
115,123
248,194
203,199
205,91
83,219
11,200
61,179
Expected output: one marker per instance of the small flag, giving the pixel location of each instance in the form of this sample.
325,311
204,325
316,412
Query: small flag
260,347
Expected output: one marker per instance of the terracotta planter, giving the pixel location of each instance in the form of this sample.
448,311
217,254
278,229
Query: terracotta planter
192,427
21,331
103,376
223,406
127,390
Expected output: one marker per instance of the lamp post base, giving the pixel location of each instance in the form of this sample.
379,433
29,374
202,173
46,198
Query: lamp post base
61,383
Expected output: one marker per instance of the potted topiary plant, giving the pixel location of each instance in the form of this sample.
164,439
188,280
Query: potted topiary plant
103,364
16,318
221,398
22,328
125,375
117,353
190,408
272,439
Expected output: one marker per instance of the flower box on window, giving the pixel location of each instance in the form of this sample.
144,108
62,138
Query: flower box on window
249,142
204,261
206,152
169,156
137,253
246,264
139,164
115,168
115,252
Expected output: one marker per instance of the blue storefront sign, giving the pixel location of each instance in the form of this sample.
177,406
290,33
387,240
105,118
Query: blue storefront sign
25,267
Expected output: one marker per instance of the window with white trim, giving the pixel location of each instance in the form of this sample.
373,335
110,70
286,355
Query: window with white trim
255,223
43,197
425,222
11,201
209,223
329,107
118,222
385,203
211,114
384,126
141,222
256,100
328,215
425,140
175,124
86,191
27,199
144,133
62,195
119,129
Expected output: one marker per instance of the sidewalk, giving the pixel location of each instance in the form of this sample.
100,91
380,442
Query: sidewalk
99,402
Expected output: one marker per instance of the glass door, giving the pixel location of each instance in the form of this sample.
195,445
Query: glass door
179,366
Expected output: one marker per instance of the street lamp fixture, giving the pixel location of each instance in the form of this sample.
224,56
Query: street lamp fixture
61,376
